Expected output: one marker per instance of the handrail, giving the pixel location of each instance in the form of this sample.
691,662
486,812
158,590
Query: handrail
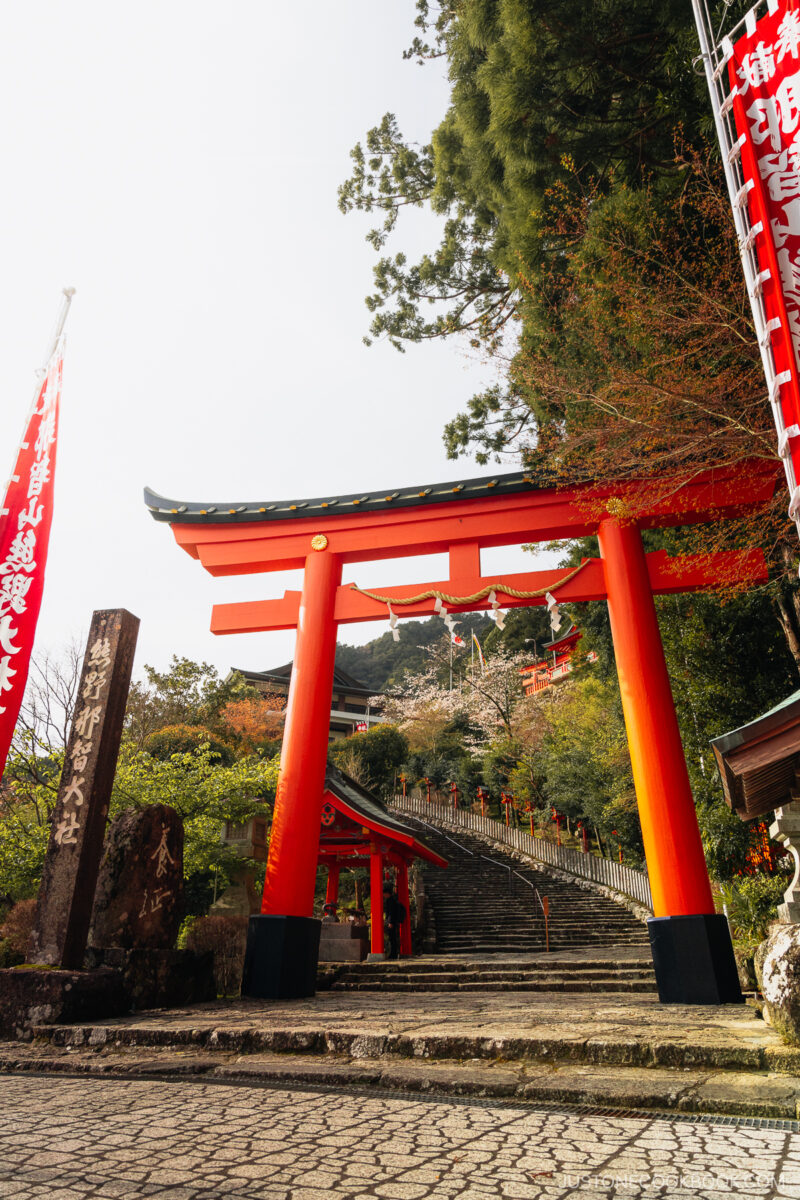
486,858
605,871
467,850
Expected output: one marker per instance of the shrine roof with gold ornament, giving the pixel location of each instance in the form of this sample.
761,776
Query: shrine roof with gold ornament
185,512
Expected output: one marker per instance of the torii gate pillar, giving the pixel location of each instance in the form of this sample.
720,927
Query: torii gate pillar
283,942
692,951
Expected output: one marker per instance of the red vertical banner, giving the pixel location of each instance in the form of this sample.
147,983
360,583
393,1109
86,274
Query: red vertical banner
764,74
25,519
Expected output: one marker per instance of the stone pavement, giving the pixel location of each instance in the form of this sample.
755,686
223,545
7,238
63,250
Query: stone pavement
609,1028
69,1139
623,1051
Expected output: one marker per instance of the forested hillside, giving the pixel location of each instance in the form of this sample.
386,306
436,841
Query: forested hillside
383,662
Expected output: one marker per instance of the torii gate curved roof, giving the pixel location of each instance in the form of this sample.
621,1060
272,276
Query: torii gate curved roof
461,518
677,503
330,506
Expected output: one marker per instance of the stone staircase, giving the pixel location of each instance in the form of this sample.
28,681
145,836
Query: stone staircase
486,902
489,927
539,974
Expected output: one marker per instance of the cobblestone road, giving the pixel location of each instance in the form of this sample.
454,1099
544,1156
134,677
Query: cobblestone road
73,1139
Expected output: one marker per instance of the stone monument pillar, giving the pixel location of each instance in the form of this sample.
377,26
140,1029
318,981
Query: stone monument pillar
70,870
139,898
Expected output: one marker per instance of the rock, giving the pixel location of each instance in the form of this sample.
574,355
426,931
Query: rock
41,996
777,965
745,969
139,898
159,978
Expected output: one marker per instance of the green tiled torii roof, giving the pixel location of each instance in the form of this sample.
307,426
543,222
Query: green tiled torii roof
185,512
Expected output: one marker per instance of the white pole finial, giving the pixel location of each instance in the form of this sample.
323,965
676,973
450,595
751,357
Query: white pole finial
67,293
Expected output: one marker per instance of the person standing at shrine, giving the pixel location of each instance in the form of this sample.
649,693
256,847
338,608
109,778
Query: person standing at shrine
395,916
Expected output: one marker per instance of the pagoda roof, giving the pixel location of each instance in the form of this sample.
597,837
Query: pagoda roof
355,801
341,679
555,642
757,762
186,512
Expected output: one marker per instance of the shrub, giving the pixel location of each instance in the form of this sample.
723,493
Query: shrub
186,739
226,938
751,902
372,758
15,932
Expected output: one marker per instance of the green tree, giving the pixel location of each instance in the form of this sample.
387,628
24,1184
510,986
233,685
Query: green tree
184,739
188,693
534,91
202,791
584,758
373,758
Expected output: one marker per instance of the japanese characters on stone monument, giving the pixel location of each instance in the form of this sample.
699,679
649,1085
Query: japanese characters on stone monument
139,898
66,894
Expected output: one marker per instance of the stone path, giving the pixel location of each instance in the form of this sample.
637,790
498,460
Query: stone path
67,1139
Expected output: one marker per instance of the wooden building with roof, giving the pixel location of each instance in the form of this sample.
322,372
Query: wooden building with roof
351,707
758,762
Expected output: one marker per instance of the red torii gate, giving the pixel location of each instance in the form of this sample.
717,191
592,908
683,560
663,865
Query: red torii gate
691,944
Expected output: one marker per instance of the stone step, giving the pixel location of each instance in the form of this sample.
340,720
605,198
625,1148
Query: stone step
596,982
442,965
753,1094
654,1044
548,984
490,971
523,945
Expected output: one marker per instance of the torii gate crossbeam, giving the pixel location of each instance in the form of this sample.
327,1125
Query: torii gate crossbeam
691,944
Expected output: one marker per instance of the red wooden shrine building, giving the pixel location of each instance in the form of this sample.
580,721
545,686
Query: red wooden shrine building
357,831
692,951
555,663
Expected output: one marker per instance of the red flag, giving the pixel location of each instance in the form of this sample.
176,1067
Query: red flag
25,519
764,72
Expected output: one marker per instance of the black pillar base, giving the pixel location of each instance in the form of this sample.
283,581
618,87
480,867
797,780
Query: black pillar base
280,962
693,960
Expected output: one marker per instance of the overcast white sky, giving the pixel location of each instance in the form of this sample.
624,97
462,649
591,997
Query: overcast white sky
177,163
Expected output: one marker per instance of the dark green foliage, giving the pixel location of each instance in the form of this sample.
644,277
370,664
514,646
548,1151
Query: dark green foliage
199,892
536,91
449,762
751,903
525,629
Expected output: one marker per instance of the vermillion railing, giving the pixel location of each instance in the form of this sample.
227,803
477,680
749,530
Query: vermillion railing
606,871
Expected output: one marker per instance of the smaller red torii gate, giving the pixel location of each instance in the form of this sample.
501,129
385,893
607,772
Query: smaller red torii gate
692,951
357,831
